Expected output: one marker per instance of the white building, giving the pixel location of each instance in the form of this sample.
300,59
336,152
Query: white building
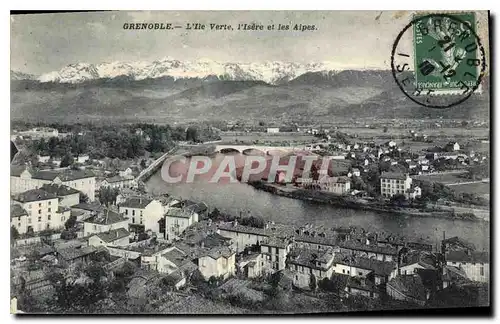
104,221
273,130
274,252
475,264
305,263
143,211
115,237
39,211
67,196
23,179
393,183
177,220
217,262
119,182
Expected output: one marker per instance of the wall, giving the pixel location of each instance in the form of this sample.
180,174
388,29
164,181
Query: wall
241,240
473,270
70,200
90,228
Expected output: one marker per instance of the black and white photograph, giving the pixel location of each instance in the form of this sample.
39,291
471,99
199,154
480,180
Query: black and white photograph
250,162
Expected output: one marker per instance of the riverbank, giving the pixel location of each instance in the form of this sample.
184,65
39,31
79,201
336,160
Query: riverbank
353,203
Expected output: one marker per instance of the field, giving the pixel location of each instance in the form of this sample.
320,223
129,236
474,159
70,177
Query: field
445,178
235,137
475,188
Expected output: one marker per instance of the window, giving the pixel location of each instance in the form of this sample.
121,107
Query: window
133,212
133,220
39,204
62,218
48,217
347,271
126,211
481,271
39,218
141,213
49,210
39,211
95,227
360,273
50,202
18,225
29,220
343,270
296,277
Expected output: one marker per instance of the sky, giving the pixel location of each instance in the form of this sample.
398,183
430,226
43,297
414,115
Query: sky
41,43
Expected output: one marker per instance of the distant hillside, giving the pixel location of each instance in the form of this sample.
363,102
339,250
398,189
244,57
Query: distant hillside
313,96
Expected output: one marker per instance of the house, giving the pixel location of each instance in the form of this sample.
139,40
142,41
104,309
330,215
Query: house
251,265
411,263
23,179
381,253
19,218
475,264
273,130
395,183
377,271
115,237
143,211
217,262
274,253
43,158
119,182
358,287
407,288
104,221
42,210
125,171
242,236
180,215
452,146
175,260
339,185
82,158
70,256
306,263
67,195
86,210
356,172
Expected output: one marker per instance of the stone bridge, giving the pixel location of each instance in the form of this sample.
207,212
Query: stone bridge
265,149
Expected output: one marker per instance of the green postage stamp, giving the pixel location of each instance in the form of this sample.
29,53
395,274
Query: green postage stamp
446,52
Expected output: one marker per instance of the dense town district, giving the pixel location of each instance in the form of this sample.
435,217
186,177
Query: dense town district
87,237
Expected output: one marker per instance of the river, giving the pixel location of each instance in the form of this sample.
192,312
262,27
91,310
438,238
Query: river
239,198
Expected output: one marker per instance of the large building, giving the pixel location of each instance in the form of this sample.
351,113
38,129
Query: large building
37,210
177,220
143,211
67,196
475,264
395,183
23,179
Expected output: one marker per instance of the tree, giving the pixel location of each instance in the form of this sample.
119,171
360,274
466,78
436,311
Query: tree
70,223
143,164
14,234
312,282
84,198
67,160
192,134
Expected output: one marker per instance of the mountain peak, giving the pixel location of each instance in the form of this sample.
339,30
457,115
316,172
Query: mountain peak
272,72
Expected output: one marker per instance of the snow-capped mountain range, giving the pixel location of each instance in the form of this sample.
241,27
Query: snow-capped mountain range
270,72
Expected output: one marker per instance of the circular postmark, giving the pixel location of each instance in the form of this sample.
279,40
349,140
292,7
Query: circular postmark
447,57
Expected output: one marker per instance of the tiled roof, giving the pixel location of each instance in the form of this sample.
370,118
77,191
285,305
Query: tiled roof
89,207
393,175
409,285
176,256
243,229
136,202
113,235
275,242
72,253
472,257
309,258
17,211
105,217
380,268
353,245
69,175
217,252
119,179
59,190
177,212
62,209
16,170
34,195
